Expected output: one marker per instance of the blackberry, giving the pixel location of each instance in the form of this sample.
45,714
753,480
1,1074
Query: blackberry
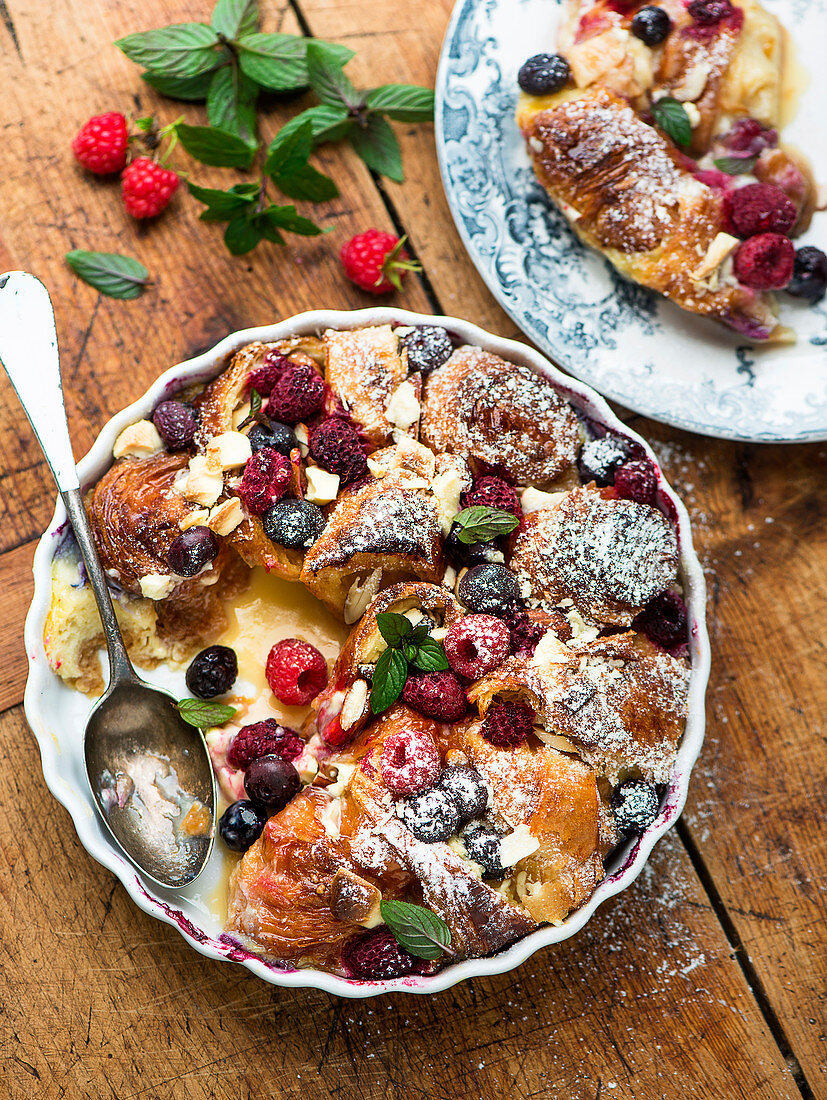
272,434
544,74
467,788
472,553
488,589
293,523
212,671
651,25
482,843
431,816
664,620
376,956
428,347
242,824
601,458
635,805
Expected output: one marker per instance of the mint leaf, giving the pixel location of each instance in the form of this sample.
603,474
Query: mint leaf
233,18
389,678
213,146
735,166
376,144
287,165
113,275
429,656
402,102
192,89
231,103
417,929
242,235
287,217
328,123
182,49
670,114
481,524
328,81
223,205
204,713
394,627
275,61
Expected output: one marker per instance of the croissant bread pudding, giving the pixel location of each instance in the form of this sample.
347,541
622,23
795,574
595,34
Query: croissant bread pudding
655,131
509,689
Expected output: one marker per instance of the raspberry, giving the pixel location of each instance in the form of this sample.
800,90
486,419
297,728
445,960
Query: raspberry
265,738
476,645
493,492
376,261
296,672
409,762
297,393
637,481
749,137
759,208
273,366
436,695
147,188
265,480
507,725
664,621
525,633
335,445
377,956
101,143
765,262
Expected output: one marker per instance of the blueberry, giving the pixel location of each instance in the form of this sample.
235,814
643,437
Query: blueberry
191,551
482,843
544,73
635,804
432,815
651,25
212,671
241,825
428,348
293,523
472,553
176,423
488,589
809,274
601,458
273,434
467,788
271,782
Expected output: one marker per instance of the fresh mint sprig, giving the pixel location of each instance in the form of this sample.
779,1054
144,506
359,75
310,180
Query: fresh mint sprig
481,524
418,930
670,114
735,166
204,714
114,275
407,645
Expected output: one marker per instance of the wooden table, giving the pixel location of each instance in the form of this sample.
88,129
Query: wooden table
706,978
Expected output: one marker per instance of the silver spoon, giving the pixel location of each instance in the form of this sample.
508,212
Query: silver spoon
144,763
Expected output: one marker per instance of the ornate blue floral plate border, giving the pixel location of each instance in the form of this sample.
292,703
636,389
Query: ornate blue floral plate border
629,343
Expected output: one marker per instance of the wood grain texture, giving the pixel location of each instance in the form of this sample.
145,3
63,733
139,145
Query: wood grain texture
707,978
105,1002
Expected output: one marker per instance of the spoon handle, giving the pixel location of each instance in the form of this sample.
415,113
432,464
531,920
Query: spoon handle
28,351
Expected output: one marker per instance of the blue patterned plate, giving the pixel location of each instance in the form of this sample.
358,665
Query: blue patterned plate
629,343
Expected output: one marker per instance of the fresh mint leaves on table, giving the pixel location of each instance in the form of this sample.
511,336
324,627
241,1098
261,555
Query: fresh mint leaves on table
113,275
227,64
481,524
203,713
670,114
416,929
407,645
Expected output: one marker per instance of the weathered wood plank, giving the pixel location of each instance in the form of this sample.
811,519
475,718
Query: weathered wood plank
17,586
102,1001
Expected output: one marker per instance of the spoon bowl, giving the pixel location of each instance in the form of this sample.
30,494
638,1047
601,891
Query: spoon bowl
149,771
